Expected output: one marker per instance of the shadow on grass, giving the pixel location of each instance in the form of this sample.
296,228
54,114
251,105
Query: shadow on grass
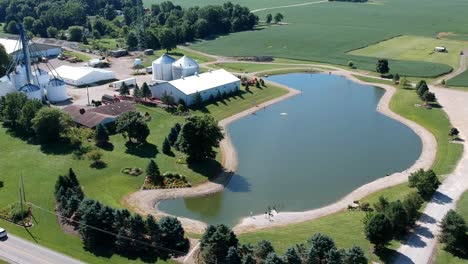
208,168
144,150
387,255
58,148
107,146
98,165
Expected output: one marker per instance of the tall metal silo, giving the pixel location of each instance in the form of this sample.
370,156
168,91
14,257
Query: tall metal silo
162,68
184,67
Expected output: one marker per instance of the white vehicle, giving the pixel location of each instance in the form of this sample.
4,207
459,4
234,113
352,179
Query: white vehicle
3,233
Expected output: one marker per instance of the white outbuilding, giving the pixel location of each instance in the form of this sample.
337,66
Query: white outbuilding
207,84
35,49
184,67
162,68
79,76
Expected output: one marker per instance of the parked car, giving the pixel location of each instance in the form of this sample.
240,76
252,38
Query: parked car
3,233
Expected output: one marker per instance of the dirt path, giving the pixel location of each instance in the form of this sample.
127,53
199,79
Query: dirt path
461,69
420,245
287,6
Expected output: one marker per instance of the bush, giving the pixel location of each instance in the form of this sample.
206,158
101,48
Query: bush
95,156
426,182
132,171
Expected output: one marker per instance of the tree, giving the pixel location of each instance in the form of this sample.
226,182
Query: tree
396,78
278,18
355,255
378,230
397,215
197,99
421,88
232,257
4,61
272,258
132,125
382,67
333,256
454,133
101,136
426,182
216,243
167,39
124,90
153,230
89,218
75,33
122,243
28,112
454,233
429,97
319,246
292,257
381,204
152,172
145,91
136,92
11,109
50,123
52,32
248,259
28,23
172,234
132,40
95,156
198,137
166,147
262,249
12,27
173,135
269,18
412,203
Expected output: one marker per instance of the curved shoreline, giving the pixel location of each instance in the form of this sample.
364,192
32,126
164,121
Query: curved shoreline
145,202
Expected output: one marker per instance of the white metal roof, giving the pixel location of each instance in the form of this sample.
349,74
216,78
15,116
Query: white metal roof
205,81
11,45
185,62
76,73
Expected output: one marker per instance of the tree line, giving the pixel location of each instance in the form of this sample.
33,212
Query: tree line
105,229
164,25
219,244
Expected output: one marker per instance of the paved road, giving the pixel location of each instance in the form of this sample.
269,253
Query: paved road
419,247
17,250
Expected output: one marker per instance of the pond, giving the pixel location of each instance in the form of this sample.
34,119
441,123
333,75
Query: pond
306,151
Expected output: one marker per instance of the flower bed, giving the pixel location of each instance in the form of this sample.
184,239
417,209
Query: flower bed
170,180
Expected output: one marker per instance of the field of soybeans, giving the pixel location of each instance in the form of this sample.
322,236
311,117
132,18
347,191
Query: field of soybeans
326,31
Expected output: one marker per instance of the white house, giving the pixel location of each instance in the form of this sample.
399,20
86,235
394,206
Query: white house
79,76
208,83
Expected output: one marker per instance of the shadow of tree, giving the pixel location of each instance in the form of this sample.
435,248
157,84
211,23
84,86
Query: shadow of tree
208,168
58,148
107,146
144,150
387,255
98,165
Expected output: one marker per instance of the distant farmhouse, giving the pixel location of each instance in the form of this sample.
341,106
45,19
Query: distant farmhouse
182,81
92,117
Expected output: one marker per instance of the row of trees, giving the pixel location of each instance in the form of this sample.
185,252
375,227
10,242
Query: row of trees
30,118
220,245
277,18
423,92
393,219
104,228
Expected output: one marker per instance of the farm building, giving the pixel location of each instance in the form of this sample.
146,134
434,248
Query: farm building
91,117
166,68
440,49
36,49
79,76
209,83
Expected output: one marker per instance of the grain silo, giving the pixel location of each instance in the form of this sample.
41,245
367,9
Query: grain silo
57,90
32,91
184,67
162,68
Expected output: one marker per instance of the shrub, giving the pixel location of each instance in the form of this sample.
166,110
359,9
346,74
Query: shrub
95,156
132,171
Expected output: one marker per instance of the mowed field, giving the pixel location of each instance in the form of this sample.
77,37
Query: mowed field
326,32
459,80
416,48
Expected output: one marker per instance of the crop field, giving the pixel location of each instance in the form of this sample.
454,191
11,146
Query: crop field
459,80
414,48
252,4
326,32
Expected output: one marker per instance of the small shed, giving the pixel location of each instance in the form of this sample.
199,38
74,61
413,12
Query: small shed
440,49
148,52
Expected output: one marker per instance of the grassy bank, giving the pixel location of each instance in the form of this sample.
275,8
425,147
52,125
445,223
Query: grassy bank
444,257
459,81
346,227
42,165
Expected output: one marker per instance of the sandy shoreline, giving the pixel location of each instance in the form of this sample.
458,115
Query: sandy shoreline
144,201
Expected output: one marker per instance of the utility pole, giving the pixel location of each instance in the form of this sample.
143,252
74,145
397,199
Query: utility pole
87,93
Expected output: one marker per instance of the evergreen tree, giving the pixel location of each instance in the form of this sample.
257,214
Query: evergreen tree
412,203
262,249
88,220
101,136
426,182
355,255
197,99
153,230
122,243
216,242
172,234
248,259
166,147
136,92
292,257
378,230
319,246
232,257
145,91
137,232
397,215
269,18
453,233
152,171
173,135
272,258
124,90
381,205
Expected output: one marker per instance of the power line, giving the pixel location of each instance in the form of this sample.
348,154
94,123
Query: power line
108,232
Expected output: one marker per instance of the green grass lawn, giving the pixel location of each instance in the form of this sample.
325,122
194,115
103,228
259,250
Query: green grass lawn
415,48
81,56
104,44
346,227
460,81
326,32
443,256
175,53
251,67
41,167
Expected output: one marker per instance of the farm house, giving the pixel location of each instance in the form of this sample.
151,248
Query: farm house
207,84
79,76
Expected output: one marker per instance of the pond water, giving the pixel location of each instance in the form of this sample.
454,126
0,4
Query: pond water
307,151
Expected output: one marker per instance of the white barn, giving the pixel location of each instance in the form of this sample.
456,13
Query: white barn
208,83
79,76
36,49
